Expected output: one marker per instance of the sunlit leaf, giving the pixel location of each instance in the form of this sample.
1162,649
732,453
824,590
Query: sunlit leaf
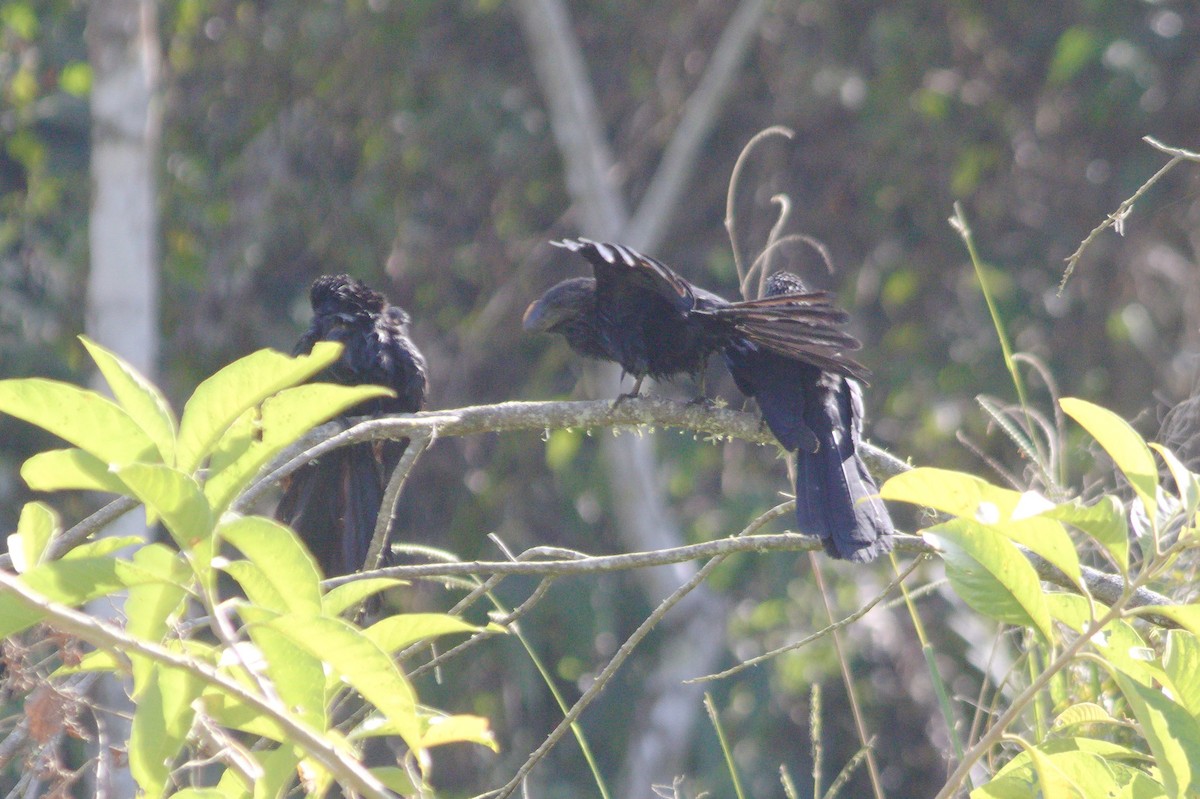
282,419
441,730
138,396
395,779
396,632
36,528
991,575
1127,449
281,558
345,596
150,605
173,496
1104,521
1181,661
222,398
70,470
359,662
1083,713
1187,616
1171,731
1186,482
103,547
1119,643
297,675
91,422
161,720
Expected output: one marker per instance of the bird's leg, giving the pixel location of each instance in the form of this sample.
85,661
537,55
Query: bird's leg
637,386
702,399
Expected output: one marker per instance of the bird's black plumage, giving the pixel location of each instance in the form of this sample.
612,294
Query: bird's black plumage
817,415
638,312
786,350
333,502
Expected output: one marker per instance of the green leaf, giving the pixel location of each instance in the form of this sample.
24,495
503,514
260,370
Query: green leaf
991,575
284,418
281,558
91,422
1104,521
1122,443
139,397
161,720
1181,661
222,398
174,496
1014,514
395,779
151,605
1059,775
70,470
258,588
441,729
1172,733
1083,713
1187,616
36,528
1186,481
96,660
359,662
1118,643
396,632
297,675
104,547
345,596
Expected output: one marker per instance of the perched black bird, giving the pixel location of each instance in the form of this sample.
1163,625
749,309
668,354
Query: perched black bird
333,502
817,414
785,350
638,312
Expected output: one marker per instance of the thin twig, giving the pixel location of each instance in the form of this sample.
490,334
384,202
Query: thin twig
622,654
1117,218
391,496
808,639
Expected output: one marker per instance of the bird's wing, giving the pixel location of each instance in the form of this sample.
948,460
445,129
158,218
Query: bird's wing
803,326
623,274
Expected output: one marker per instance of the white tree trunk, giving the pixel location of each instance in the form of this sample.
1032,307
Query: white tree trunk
122,286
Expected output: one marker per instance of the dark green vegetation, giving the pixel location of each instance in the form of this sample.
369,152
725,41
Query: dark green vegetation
408,143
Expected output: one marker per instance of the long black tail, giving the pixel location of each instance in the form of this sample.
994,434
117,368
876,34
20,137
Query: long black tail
817,415
333,504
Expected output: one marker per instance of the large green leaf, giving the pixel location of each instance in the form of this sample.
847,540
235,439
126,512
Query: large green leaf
991,575
280,557
222,398
1118,643
161,720
1171,731
138,396
1012,513
1186,481
91,422
150,605
1059,775
283,418
1104,521
36,528
175,497
359,662
396,632
297,674
1181,661
1127,449
1187,616
70,470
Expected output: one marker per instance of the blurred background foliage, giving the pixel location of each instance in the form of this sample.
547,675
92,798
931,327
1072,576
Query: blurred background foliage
407,143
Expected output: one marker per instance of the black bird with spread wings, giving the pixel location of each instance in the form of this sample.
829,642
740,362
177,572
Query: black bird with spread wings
334,501
785,350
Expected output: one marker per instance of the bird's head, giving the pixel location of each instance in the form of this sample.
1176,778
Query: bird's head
566,304
785,283
344,297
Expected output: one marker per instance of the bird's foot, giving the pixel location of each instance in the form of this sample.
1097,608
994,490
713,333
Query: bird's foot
632,395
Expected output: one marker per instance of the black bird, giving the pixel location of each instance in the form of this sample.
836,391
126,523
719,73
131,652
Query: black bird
785,350
334,501
638,312
818,415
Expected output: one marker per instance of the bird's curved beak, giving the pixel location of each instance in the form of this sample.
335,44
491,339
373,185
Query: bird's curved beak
536,318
